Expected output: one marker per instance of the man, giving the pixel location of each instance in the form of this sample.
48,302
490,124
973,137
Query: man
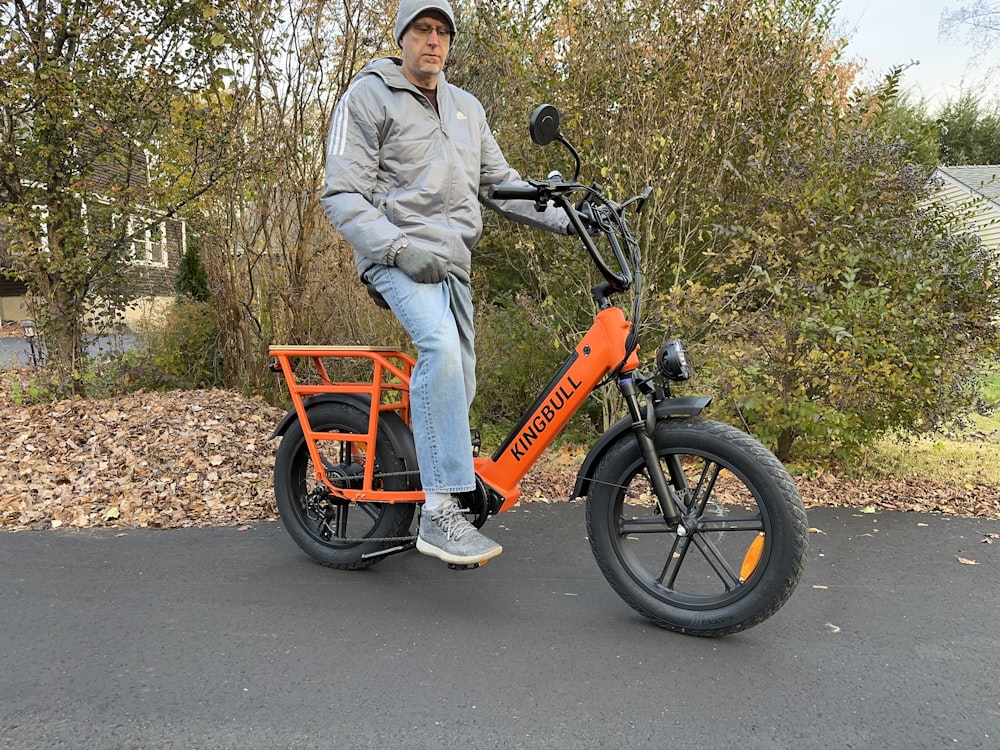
408,159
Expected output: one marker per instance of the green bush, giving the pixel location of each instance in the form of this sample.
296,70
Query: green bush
191,280
184,351
869,314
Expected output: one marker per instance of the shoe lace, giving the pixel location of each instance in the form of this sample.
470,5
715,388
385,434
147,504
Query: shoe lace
453,523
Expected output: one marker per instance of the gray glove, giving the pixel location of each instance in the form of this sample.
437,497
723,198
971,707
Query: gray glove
420,265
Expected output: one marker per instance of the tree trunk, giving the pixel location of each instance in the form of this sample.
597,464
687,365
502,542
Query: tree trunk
784,447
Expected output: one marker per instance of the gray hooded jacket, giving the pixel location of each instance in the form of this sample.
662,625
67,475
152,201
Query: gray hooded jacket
397,171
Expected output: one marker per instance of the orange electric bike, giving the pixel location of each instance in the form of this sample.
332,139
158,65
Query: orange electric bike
694,523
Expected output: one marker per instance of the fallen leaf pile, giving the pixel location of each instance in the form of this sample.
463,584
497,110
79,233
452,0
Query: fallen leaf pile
924,496
147,459
204,458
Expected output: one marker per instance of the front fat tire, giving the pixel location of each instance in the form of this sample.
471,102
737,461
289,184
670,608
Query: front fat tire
737,490
334,543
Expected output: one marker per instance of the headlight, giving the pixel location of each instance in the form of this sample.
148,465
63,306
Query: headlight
672,360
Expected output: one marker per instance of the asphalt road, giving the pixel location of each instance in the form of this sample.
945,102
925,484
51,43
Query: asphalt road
228,638
16,352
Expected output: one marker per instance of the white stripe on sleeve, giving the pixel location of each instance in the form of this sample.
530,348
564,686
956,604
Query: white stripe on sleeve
338,130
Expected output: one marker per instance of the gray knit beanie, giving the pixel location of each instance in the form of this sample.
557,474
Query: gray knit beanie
410,9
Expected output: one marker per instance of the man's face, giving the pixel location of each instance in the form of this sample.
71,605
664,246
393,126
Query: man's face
425,49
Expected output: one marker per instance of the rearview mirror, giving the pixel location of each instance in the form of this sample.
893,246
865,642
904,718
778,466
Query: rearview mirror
544,125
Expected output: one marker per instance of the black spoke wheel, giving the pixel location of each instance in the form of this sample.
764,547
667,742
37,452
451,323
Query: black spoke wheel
742,547
334,532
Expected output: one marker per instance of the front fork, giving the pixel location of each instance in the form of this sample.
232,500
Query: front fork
642,411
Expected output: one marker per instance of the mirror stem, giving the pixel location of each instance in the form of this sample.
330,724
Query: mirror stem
576,156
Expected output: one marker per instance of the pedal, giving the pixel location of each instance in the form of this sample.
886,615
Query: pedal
470,566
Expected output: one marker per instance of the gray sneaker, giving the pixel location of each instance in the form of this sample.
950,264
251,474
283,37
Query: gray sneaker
446,534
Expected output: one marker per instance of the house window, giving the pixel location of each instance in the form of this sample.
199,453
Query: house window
149,243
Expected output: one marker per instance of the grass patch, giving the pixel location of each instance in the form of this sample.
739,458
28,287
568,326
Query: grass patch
966,456
953,460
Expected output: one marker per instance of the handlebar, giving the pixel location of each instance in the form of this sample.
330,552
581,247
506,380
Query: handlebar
594,210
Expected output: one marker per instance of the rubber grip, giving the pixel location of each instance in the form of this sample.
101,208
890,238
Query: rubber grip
513,192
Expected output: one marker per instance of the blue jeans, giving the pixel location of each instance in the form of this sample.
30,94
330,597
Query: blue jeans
438,318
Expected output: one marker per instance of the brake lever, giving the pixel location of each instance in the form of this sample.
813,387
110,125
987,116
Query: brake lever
640,199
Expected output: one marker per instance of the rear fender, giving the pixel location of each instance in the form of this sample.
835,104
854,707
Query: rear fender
671,408
391,426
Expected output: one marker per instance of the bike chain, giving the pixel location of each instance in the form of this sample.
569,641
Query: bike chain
377,538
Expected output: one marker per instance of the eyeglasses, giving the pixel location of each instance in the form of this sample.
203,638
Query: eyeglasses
423,30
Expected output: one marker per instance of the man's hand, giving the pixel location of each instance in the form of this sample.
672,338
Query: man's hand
420,265
589,224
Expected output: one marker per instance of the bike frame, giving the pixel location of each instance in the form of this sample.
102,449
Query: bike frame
601,351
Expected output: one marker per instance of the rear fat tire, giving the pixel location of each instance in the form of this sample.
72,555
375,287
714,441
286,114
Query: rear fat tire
736,489
328,539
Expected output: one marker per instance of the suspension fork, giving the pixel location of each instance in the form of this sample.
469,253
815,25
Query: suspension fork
643,425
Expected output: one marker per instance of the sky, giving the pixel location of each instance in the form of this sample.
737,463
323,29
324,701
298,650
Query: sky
896,32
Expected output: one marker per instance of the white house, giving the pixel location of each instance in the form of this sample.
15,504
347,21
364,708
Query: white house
156,252
975,191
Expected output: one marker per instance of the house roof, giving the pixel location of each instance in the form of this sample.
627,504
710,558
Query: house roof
981,178
974,191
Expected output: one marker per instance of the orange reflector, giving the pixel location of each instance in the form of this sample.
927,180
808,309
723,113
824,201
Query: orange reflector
752,557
